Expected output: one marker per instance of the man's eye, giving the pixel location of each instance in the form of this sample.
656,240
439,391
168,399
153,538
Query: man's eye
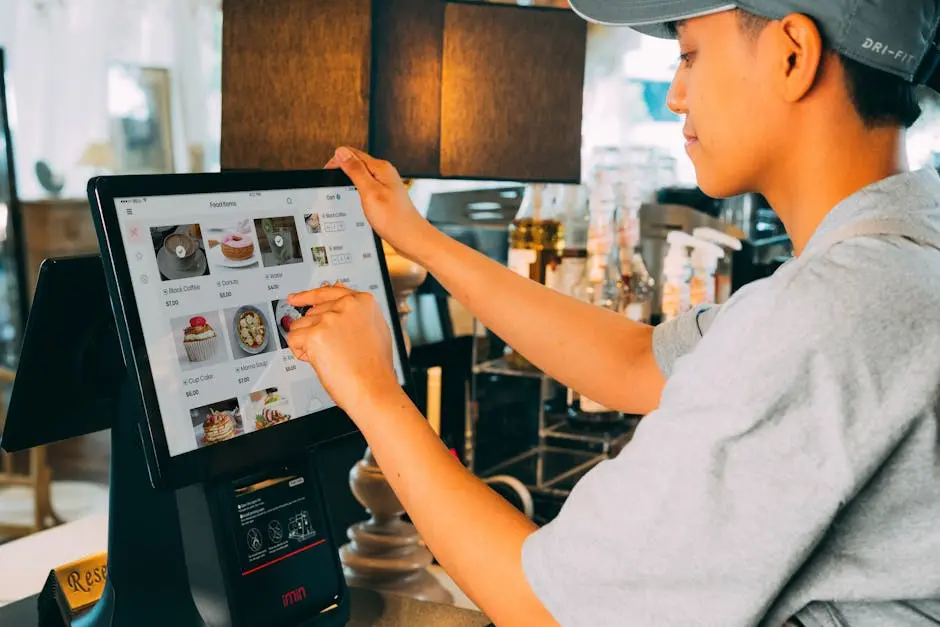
686,59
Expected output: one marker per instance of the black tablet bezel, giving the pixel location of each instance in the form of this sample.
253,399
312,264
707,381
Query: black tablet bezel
242,454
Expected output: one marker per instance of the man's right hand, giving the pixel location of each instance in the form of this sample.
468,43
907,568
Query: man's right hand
385,199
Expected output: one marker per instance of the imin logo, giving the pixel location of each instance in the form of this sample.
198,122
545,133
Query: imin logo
294,596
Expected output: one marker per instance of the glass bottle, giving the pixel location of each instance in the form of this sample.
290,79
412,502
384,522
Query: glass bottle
639,285
601,285
536,241
605,195
637,282
536,235
571,209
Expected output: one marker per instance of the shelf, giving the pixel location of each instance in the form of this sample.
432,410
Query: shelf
565,485
500,367
547,469
609,439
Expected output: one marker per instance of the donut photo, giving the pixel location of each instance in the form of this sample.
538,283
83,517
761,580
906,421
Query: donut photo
233,246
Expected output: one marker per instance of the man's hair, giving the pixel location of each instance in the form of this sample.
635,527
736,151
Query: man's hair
880,98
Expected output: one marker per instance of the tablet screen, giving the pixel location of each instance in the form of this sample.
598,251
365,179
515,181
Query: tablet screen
211,274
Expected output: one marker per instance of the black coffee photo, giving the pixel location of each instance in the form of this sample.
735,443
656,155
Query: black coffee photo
179,251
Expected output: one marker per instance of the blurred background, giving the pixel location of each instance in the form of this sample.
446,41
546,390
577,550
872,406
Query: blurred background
136,86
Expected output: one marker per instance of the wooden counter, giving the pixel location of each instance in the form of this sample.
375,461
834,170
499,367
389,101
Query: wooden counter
25,563
367,609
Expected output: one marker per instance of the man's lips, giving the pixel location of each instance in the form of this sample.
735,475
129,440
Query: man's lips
689,138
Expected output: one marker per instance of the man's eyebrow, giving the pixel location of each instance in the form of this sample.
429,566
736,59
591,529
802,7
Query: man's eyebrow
676,28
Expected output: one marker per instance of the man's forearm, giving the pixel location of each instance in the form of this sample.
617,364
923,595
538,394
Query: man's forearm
473,532
601,354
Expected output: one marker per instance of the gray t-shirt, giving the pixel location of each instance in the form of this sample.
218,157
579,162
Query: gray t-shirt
795,454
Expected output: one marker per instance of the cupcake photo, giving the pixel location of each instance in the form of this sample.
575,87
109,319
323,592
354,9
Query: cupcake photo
198,340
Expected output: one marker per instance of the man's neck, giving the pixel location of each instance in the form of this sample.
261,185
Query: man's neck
821,173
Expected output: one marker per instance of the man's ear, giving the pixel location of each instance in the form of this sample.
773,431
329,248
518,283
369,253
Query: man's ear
800,55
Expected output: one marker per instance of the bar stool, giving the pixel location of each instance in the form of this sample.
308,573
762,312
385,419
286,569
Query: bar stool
38,479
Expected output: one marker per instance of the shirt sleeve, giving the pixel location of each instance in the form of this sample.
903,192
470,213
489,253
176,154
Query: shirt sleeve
728,487
678,337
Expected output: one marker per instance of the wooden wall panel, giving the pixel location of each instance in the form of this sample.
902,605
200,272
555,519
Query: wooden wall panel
295,81
512,92
407,47
441,89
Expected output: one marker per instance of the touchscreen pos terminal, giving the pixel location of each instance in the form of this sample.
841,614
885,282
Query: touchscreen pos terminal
198,269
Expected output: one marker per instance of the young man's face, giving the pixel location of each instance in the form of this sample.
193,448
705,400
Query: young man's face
732,119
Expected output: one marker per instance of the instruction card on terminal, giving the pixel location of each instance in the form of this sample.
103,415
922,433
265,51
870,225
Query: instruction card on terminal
276,521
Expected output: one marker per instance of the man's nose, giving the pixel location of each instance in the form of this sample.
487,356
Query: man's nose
675,97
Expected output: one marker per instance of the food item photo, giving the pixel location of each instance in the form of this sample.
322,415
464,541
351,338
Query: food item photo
312,220
232,246
218,427
252,333
237,247
251,330
285,314
271,408
179,252
199,340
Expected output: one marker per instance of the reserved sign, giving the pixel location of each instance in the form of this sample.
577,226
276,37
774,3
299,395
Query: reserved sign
81,583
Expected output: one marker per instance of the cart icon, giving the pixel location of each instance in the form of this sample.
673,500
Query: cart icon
300,527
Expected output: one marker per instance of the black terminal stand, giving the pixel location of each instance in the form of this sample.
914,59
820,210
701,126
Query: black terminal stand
146,582
239,552
261,543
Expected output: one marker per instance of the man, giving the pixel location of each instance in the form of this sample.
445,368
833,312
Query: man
788,468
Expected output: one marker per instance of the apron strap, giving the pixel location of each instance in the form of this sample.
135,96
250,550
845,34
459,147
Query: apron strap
923,235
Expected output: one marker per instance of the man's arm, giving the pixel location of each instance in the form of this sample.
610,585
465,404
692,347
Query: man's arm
474,533
602,355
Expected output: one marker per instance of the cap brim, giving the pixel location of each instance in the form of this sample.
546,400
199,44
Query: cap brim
650,17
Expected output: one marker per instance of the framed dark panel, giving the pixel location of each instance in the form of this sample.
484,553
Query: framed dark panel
295,81
7,181
12,252
407,46
512,92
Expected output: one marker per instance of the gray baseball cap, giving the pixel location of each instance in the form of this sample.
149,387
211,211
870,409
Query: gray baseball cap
897,36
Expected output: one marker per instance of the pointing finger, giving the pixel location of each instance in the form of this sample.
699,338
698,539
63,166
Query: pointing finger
302,323
297,341
312,298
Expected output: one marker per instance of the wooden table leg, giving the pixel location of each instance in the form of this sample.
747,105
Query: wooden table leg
45,515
